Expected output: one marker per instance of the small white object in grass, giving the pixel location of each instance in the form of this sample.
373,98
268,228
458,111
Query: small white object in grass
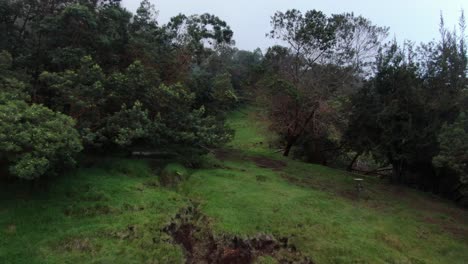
359,186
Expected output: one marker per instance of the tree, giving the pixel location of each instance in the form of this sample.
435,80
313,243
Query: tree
78,93
129,125
223,93
321,65
36,141
196,31
149,43
113,42
362,134
411,113
444,68
308,36
453,140
395,118
406,138
313,109
390,117
246,69
358,42
11,87
124,82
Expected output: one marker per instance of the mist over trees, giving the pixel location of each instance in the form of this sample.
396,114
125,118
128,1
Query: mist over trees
91,77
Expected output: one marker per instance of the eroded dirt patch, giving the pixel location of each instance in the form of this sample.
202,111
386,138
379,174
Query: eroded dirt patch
228,154
268,163
192,231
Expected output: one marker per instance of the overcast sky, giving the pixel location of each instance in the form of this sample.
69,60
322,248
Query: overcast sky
416,20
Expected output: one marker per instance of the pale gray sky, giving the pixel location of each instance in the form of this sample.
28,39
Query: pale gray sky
416,20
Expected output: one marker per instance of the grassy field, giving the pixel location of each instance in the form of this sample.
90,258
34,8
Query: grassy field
115,211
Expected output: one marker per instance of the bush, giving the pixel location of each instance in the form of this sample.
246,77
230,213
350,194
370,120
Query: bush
34,140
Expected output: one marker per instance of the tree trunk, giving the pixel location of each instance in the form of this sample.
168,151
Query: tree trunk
289,145
397,172
351,165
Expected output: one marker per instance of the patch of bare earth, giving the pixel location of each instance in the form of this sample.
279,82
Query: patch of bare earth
192,231
263,162
227,154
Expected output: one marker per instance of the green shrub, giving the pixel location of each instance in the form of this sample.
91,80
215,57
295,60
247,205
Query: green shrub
35,141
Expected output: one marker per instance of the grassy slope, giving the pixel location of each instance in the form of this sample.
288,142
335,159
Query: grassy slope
110,214
114,213
316,206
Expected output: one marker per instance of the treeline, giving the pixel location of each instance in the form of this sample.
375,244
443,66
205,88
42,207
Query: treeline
339,95
89,76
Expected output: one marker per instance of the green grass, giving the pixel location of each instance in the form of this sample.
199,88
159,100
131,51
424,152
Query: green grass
114,211
111,214
324,225
251,135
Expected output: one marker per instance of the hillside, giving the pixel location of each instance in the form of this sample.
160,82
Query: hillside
245,204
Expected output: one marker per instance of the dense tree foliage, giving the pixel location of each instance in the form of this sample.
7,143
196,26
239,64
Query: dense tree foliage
399,125
336,92
410,114
91,73
34,140
453,140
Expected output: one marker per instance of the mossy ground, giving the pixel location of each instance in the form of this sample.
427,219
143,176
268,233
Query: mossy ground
115,211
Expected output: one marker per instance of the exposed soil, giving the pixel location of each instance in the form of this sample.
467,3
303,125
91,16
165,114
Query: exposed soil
263,162
228,154
192,231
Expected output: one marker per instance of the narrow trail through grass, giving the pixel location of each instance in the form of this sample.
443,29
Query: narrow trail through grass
116,211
